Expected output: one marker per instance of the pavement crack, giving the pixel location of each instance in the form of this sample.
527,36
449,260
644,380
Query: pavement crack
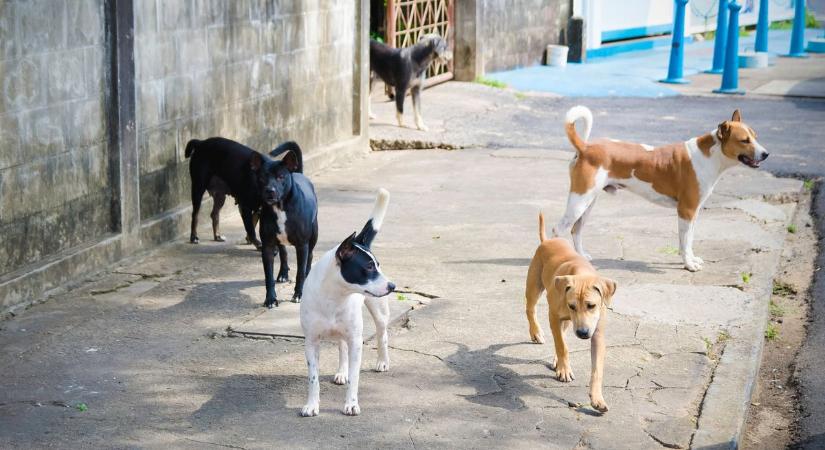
214,443
421,293
662,443
416,351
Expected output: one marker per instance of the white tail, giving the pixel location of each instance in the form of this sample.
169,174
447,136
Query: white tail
580,112
380,208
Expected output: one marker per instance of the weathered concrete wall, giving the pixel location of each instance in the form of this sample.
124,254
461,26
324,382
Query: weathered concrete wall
99,97
259,72
494,35
55,191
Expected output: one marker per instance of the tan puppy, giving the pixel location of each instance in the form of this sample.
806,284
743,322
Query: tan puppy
575,293
679,176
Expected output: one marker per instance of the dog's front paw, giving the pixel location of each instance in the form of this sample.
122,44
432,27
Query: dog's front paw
340,378
352,409
422,127
537,337
692,265
270,302
296,298
564,373
194,240
598,403
220,238
283,276
382,366
698,260
309,410
255,242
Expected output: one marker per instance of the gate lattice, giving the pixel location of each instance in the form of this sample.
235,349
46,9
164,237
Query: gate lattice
408,20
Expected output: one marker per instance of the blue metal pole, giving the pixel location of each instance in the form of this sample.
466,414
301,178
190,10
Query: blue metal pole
677,47
798,32
721,38
762,27
730,77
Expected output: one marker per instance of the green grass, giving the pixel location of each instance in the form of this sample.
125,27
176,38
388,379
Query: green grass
743,32
668,250
708,346
792,228
723,336
808,184
377,37
775,309
746,277
771,332
783,289
490,82
81,407
401,297
810,22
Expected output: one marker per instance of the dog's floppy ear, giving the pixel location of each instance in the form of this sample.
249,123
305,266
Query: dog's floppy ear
723,131
346,249
563,283
609,288
293,158
737,116
256,161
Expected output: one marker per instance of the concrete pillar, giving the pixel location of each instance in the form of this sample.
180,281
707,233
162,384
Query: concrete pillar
592,12
360,69
469,52
123,150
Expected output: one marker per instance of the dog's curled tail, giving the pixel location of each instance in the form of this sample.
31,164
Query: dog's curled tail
575,113
373,224
191,146
542,233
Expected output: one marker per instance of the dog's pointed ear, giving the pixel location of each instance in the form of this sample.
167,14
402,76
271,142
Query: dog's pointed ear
563,283
293,156
609,288
736,117
346,249
256,161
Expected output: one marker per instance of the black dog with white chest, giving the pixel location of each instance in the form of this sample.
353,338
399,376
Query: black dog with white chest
289,216
406,68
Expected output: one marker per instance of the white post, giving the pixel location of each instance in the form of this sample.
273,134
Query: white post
592,13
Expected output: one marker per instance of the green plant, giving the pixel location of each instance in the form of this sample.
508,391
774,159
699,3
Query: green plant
723,336
376,37
743,32
771,332
491,82
401,297
775,309
708,346
810,20
746,277
808,184
781,25
81,407
783,289
792,228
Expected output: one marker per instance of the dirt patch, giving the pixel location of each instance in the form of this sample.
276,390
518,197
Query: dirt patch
405,144
774,410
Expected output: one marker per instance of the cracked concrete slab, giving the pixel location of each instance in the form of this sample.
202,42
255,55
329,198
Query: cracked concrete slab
461,225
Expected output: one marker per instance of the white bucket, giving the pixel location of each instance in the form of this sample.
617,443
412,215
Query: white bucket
557,55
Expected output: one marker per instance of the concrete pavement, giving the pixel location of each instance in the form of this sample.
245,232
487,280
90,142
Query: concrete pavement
145,347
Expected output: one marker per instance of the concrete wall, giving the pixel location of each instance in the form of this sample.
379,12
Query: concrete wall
495,35
99,97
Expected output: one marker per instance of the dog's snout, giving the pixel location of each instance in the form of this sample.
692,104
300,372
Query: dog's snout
390,286
582,333
765,155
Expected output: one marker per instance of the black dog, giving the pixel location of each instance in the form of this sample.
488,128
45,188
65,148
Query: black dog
405,69
289,215
222,167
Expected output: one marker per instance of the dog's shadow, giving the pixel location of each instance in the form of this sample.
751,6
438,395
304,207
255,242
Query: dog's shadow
519,262
478,367
628,266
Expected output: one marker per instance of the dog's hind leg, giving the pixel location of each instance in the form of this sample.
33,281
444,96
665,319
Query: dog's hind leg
199,184
369,96
416,103
379,308
532,292
400,92
311,351
354,343
283,272
343,364
577,230
577,204
218,200
301,255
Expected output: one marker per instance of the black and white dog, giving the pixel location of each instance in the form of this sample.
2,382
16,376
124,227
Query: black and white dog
345,278
289,215
405,69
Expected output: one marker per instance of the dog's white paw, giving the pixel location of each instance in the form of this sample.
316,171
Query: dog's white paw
309,410
422,127
698,260
382,366
352,409
340,378
693,263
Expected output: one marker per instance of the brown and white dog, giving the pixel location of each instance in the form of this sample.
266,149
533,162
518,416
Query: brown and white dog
680,175
575,294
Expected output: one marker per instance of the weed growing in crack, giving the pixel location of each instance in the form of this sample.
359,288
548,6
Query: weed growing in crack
746,277
808,184
775,309
783,289
792,228
669,250
491,82
771,331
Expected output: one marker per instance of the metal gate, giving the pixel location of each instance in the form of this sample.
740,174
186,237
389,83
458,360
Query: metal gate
408,20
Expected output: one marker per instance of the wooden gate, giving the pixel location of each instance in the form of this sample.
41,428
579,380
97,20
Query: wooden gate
408,20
